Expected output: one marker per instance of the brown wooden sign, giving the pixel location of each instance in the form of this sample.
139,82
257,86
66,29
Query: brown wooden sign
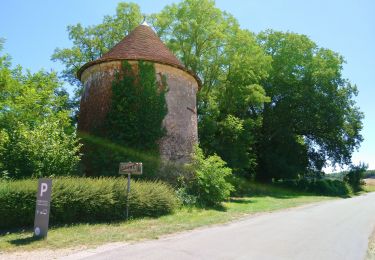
130,168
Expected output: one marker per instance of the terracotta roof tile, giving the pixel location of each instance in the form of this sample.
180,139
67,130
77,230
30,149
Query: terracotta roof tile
141,44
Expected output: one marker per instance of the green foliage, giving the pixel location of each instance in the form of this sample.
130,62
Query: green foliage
90,43
209,42
134,121
242,186
185,198
36,135
230,64
355,176
330,187
324,187
273,104
42,151
84,200
312,116
209,183
138,108
369,174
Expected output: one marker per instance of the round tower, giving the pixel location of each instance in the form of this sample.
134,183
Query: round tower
143,44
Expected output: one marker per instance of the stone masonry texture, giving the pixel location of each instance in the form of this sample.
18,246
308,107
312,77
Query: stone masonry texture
180,122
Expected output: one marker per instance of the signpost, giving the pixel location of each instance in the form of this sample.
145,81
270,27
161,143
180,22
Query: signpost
129,168
42,208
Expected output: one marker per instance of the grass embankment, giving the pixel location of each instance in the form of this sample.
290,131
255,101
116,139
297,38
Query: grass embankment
370,185
263,198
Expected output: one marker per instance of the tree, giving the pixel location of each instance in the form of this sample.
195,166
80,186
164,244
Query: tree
231,64
36,135
312,117
209,182
354,177
92,42
197,32
273,103
210,43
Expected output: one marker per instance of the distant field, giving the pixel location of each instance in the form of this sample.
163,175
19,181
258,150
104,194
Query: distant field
370,181
370,185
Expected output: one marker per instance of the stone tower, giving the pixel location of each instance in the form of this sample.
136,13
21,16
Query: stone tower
143,44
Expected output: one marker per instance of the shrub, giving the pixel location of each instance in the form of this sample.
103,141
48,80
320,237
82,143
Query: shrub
84,200
330,188
36,133
325,187
243,186
209,183
355,176
45,150
185,198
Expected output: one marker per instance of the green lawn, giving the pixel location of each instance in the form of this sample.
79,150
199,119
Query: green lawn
263,199
369,188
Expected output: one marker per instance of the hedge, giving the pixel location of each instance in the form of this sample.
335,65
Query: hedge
77,200
325,187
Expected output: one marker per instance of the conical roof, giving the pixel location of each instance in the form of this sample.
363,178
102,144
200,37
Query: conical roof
141,44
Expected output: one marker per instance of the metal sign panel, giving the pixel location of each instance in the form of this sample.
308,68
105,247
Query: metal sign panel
43,198
130,168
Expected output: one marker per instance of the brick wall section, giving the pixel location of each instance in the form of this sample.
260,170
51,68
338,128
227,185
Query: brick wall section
96,96
180,122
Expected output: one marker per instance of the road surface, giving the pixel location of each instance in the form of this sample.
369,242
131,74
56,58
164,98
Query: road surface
331,230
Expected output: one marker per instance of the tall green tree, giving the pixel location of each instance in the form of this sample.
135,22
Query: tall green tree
274,103
231,64
312,117
91,42
210,43
36,135
197,32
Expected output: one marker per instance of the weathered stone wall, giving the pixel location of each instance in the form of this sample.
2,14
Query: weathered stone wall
180,122
96,96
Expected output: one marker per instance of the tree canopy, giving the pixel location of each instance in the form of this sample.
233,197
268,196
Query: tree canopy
274,105
36,134
312,117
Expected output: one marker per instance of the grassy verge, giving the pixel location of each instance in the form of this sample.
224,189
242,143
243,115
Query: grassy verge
369,186
263,198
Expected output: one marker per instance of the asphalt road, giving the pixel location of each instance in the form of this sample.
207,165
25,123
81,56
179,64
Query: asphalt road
331,230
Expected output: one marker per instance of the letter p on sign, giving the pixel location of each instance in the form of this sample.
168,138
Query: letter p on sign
43,188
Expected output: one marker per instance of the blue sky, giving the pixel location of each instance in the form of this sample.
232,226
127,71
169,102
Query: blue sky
33,29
